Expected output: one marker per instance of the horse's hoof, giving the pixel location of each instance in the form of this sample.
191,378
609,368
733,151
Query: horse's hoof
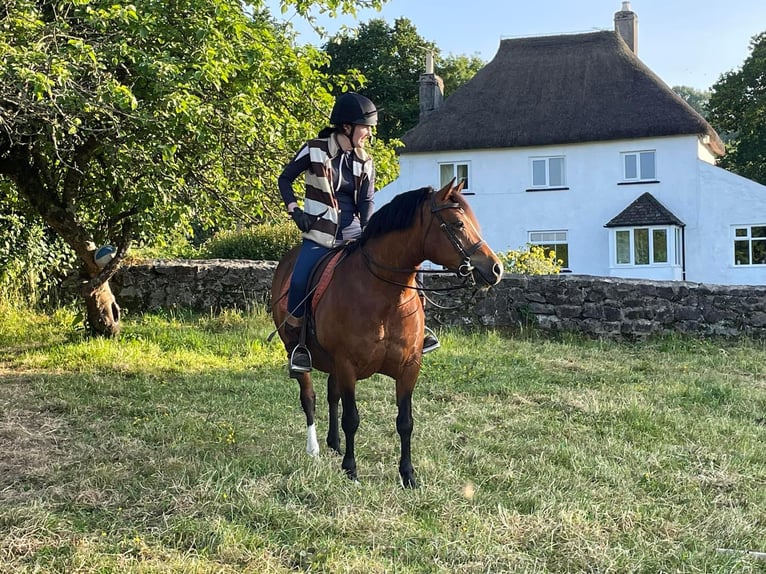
409,482
351,474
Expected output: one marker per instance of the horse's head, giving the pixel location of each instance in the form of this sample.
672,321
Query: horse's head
453,238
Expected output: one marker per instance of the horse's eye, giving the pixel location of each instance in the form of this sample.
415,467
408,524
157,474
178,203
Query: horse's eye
459,224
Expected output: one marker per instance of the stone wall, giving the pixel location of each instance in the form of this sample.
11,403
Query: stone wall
209,285
596,306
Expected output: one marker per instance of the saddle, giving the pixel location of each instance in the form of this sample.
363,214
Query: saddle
319,280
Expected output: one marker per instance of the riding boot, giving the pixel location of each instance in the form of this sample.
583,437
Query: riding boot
298,356
430,341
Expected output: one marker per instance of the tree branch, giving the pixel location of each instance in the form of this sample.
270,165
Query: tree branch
74,175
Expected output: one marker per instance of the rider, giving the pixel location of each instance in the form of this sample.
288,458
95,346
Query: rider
339,190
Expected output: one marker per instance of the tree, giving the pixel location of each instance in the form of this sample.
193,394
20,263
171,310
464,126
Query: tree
697,99
457,70
738,112
120,122
391,60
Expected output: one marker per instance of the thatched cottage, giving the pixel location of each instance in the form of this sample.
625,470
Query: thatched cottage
572,142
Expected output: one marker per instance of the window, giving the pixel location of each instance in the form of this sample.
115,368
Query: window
457,170
638,166
548,172
552,240
647,246
750,245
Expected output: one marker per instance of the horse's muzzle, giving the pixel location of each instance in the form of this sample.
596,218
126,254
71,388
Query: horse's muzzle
487,271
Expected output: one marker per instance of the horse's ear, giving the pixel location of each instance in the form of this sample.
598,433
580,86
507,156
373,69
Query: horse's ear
460,185
444,192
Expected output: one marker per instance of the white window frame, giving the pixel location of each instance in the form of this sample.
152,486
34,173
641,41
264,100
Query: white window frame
673,251
636,158
544,162
460,170
548,237
750,239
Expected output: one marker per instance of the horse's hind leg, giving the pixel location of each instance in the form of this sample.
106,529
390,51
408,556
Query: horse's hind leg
333,398
308,402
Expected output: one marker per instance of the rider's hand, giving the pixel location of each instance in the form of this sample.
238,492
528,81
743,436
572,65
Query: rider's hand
303,220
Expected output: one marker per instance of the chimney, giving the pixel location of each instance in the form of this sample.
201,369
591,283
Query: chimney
431,89
626,25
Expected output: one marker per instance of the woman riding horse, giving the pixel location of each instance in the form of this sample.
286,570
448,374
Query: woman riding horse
339,184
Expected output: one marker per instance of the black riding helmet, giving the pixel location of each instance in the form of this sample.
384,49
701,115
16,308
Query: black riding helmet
355,109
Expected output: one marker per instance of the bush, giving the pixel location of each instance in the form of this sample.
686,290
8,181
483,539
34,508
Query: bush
262,242
33,260
531,260
175,246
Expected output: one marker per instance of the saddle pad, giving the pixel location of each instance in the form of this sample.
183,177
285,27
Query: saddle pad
321,284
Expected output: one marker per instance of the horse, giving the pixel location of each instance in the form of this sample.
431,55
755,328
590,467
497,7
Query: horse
370,319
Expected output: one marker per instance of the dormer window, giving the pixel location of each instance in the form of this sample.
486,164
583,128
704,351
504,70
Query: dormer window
638,166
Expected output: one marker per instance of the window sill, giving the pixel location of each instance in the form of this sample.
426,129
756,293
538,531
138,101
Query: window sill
548,189
645,266
638,182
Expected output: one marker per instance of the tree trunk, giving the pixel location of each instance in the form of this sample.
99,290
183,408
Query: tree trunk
28,171
103,312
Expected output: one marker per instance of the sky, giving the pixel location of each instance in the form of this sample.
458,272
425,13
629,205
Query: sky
684,42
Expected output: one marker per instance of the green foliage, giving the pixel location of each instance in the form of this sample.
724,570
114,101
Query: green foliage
175,246
531,260
697,99
33,260
457,70
263,242
738,113
123,122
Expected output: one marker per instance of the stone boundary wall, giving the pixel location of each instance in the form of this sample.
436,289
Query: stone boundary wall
596,306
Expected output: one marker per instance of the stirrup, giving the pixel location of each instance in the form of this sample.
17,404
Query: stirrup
300,360
430,341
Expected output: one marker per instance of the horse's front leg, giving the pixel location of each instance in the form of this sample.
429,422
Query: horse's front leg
404,425
333,398
349,422
308,402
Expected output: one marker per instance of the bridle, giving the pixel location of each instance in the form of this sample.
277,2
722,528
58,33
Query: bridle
464,270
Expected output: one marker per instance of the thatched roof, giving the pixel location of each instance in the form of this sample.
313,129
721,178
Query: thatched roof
645,210
557,90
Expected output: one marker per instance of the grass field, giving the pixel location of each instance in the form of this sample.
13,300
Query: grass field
180,448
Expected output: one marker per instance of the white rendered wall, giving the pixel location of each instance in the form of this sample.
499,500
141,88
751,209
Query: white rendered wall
707,199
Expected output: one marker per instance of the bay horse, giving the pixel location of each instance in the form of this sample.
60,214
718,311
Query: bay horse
369,318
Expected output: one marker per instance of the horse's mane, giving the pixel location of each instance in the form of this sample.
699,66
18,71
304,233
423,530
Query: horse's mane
397,214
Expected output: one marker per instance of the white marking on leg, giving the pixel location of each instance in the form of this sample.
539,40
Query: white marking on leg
312,446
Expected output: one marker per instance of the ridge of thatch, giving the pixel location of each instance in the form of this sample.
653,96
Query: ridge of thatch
645,210
561,89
